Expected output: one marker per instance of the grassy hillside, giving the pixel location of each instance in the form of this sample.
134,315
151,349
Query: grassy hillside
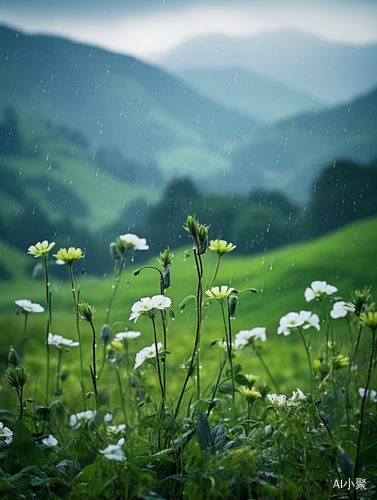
345,259
54,175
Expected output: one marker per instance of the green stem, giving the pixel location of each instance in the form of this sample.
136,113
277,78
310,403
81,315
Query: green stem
120,391
58,371
158,360
78,333
94,375
309,361
362,407
197,336
228,337
349,375
117,277
267,370
23,340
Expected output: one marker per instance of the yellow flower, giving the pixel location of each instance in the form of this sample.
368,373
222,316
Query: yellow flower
221,247
216,293
69,256
369,318
250,394
117,344
41,249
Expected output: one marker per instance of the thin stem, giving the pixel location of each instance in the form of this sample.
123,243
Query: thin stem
266,369
362,408
215,273
48,357
349,375
158,360
78,333
94,359
199,267
115,287
120,390
24,334
197,336
309,361
58,372
229,349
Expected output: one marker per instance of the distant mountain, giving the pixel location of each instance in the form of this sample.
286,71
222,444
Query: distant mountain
289,156
263,99
330,72
118,102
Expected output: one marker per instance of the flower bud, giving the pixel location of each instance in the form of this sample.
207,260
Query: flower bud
232,306
199,233
105,334
13,358
85,312
361,300
115,252
16,376
166,277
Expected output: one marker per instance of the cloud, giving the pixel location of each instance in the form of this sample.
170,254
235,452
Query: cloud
158,27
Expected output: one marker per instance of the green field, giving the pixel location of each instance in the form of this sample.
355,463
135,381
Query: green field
345,259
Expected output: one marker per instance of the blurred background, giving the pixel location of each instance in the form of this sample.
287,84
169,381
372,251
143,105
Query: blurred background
260,117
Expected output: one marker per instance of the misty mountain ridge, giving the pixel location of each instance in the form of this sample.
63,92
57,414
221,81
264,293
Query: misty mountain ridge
263,99
327,71
135,114
115,101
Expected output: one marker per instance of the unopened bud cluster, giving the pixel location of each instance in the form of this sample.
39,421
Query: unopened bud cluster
199,233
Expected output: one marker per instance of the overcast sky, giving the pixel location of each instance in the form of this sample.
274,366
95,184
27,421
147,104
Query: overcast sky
143,28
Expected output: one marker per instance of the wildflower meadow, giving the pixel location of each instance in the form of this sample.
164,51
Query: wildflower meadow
129,409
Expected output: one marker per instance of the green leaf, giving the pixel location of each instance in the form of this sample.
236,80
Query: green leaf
6,413
219,437
203,433
147,459
241,379
201,406
27,451
345,463
225,387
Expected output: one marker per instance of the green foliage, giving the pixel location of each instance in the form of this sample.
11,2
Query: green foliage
130,441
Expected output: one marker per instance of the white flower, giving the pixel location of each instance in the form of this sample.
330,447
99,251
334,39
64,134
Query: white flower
146,304
133,242
116,428
126,335
341,309
147,352
290,320
280,399
372,394
59,341
108,417
244,336
318,290
114,452
29,306
5,432
219,294
77,419
143,305
121,442
50,441
309,320
161,302
295,399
